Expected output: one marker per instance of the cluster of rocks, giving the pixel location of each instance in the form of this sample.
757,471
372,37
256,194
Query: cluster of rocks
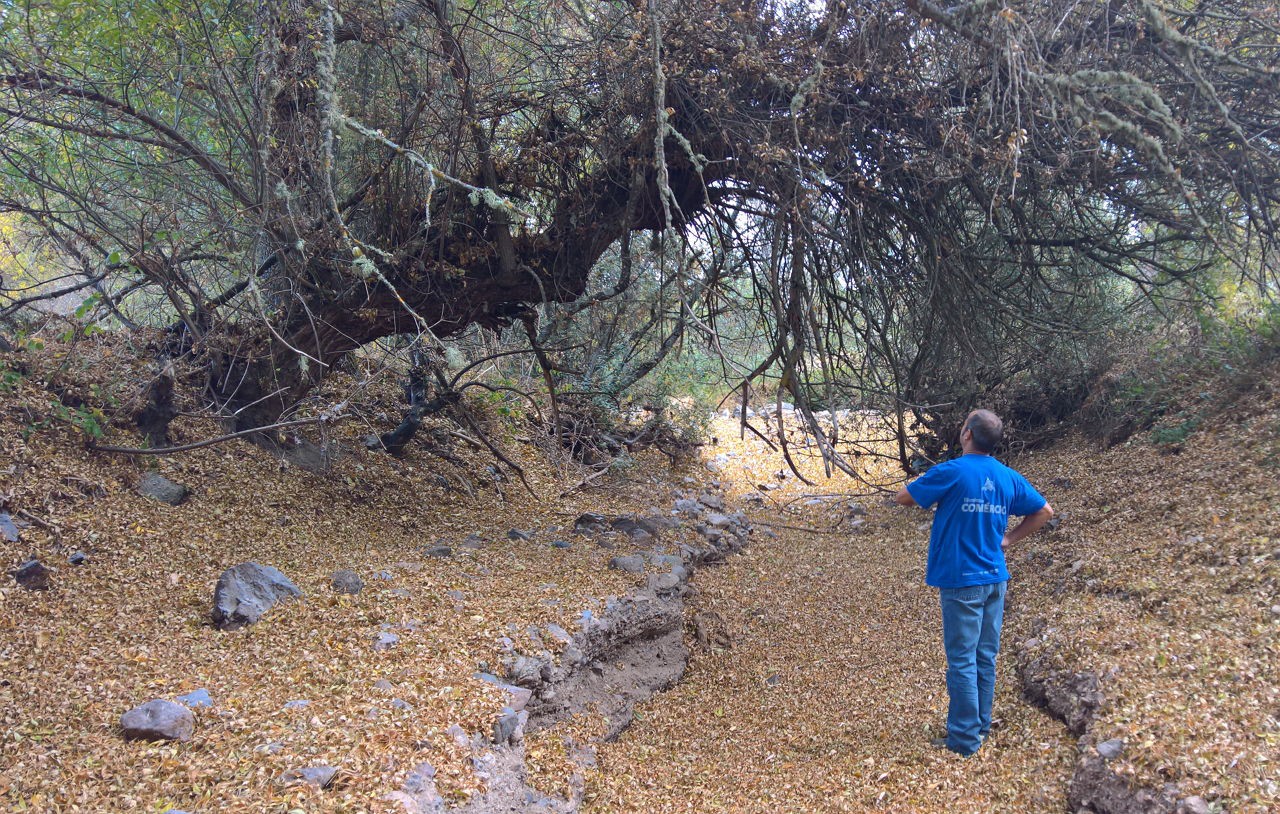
621,655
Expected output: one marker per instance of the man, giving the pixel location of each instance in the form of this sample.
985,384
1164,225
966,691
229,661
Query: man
975,495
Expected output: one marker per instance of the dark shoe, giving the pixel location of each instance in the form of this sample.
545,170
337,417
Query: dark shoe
941,743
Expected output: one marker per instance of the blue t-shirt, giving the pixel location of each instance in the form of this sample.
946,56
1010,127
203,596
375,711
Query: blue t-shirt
975,496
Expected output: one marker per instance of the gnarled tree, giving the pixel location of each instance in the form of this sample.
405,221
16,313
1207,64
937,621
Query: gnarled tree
295,178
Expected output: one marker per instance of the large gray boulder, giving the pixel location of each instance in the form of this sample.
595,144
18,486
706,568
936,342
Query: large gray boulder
158,720
158,487
247,591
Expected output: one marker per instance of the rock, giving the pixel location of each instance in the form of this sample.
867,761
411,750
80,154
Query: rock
1192,805
590,523
1111,749
196,699
439,551
558,633
346,582
517,534
666,560
561,544
272,748
456,595
473,542
773,680
856,510
77,558
664,583
505,726
386,641
717,520
686,506
8,529
638,528
400,704
157,487
633,564
713,502
247,591
527,671
297,703
316,776
383,684
158,720
32,575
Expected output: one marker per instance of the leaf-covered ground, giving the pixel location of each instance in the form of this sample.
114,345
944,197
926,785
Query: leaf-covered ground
1163,577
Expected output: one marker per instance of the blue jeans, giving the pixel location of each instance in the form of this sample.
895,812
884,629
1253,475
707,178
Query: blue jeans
971,620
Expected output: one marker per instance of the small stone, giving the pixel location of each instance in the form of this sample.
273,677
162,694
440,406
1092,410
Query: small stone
666,560
439,551
400,704
272,748
316,776
713,535
1193,805
526,672
1110,749
383,684
473,542
505,726
714,502
633,564
297,703
8,529
385,641
664,582
157,487
196,699
561,544
158,720
456,596
77,558
558,633
590,523
384,575
857,510
687,506
1275,610
32,575
773,680
347,582
404,593
517,534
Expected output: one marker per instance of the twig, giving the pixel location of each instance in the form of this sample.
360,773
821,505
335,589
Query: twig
833,530
210,442
584,482
49,527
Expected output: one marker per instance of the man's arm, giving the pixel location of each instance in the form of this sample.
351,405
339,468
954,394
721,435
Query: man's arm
904,498
1029,525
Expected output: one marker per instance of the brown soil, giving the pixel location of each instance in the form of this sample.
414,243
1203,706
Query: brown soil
818,689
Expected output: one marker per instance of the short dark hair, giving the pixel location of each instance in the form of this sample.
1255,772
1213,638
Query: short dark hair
987,429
